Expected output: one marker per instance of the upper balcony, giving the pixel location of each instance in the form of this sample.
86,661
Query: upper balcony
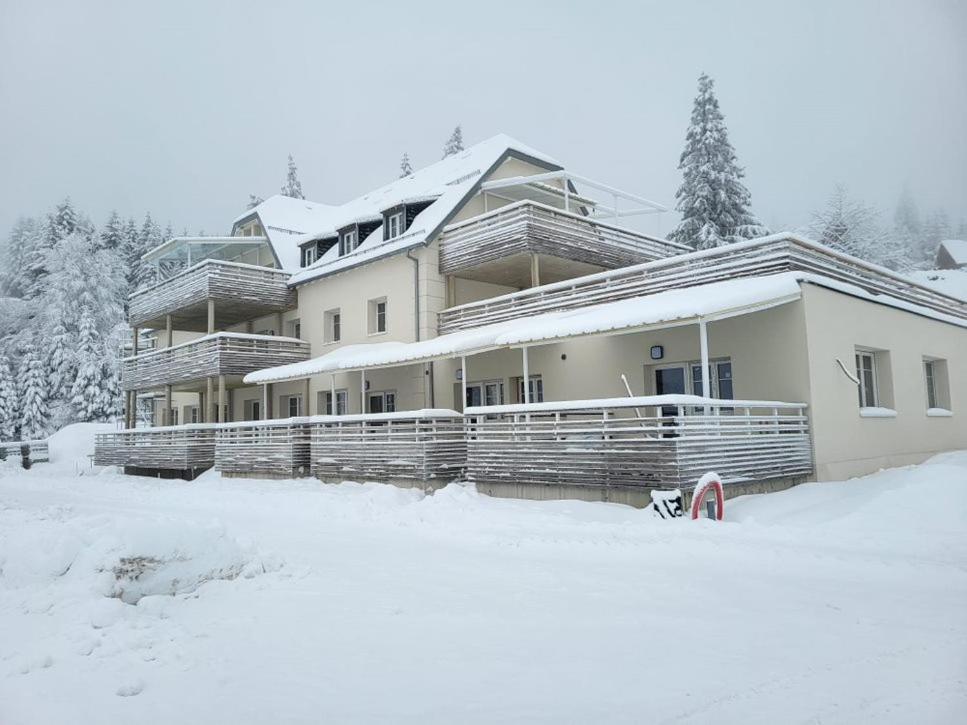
236,273
498,246
224,353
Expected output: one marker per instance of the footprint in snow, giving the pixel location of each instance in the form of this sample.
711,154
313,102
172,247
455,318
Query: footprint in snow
130,689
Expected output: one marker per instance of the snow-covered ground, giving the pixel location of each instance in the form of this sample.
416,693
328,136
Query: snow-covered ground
134,600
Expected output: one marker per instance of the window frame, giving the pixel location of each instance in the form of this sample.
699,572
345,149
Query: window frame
297,399
930,378
332,326
387,398
348,241
342,401
308,256
378,321
395,219
868,391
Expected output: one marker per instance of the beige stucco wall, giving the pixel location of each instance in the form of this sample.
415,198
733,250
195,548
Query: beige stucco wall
849,445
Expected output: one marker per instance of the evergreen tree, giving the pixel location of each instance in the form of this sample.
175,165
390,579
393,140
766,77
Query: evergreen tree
87,393
23,244
454,144
61,359
169,233
32,390
148,238
253,201
405,168
63,221
907,238
131,252
9,413
712,199
292,186
112,235
848,226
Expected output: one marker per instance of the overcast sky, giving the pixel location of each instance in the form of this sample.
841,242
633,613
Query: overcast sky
186,108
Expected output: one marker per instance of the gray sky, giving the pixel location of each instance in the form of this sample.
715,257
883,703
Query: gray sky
186,108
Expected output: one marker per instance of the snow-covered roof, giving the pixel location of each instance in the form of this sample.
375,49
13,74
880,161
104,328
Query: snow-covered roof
957,249
677,306
286,220
948,281
445,183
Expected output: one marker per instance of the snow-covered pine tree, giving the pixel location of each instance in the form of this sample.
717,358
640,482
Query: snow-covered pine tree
712,199
87,393
61,357
32,393
9,412
936,228
23,244
848,226
253,201
63,221
112,235
455,143
149,237
131,252
406,169
292,186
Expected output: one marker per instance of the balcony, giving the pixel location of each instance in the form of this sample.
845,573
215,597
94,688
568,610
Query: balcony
224,353
182,450
263,449
240,292
497,246
638,443
769,255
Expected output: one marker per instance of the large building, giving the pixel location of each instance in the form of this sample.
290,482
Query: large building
493,317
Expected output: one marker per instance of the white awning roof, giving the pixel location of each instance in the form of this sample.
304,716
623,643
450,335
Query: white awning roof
663,309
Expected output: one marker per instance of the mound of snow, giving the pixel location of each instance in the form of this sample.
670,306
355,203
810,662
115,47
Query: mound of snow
73,445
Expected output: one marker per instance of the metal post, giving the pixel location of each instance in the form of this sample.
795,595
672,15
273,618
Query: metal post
135,343
527,392
211,316
703,343
362,391
463,381
167,419
305,399
535,271
332,387
169,331
265,401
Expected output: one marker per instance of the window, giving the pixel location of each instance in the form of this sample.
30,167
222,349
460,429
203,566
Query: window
720,377
193,414
377,316
930,372
295,329
174,416
394,225
382,402
535,390
342,402
348,241
294,406
938,386
253,409
308,255
866,373
332,321
486,393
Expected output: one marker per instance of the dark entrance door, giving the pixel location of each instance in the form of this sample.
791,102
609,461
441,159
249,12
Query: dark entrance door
670,381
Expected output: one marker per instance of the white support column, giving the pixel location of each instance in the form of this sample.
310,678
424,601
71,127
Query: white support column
211,316
222,401
305,399
332,389
362,391
265,401
703,343
463,382
527,392
169,332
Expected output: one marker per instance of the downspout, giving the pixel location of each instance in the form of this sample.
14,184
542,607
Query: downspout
416,320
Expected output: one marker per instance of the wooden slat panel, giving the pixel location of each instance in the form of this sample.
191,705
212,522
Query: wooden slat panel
275,448
532,227
417,449
225,354
254,291
674,273
176,448
615,446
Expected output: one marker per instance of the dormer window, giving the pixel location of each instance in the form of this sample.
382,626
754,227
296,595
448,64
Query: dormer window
394,225
348,241
308,256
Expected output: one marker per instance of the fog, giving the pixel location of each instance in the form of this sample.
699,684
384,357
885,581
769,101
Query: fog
187,108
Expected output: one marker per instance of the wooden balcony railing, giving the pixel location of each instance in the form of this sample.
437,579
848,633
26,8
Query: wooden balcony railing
172,448
224,353
426,446
658,441
241,292
745,259
532,227
267,448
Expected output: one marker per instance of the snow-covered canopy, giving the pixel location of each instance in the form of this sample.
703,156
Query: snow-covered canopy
290,222
672,307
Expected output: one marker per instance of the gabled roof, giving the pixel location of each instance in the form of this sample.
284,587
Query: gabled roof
957,249
446,183
285,220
